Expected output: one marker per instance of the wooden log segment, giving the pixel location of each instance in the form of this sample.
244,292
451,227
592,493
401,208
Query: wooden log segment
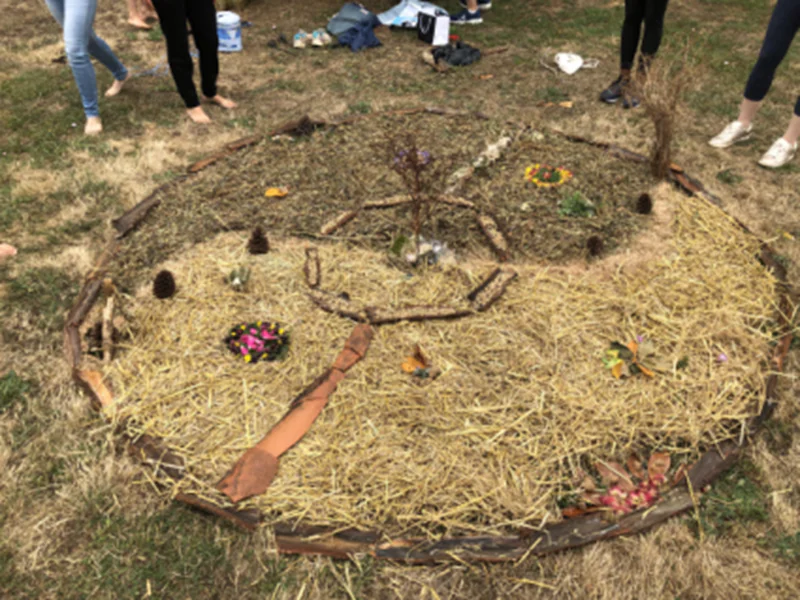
491,290
336,223
312,269
496,238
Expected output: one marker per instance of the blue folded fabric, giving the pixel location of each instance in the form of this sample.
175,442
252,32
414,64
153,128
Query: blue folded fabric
361,36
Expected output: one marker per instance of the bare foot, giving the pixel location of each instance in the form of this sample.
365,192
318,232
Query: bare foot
139,23
221,101
117,86
198,115
93,126
7,250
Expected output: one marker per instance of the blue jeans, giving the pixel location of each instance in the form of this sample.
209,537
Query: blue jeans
80,42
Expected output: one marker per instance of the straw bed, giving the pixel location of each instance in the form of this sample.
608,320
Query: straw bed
523,399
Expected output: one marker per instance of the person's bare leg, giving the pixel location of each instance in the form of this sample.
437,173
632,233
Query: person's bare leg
135,18
198,115
221,101
472,5
7,250
793,131
93,126
117,86
748,110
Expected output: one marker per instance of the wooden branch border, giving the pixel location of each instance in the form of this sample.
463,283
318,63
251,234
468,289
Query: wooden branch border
570,533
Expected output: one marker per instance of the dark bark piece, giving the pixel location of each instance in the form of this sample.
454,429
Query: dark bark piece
247,519
151,451
296,127
86,299
340,221
496,238
494,289
337,305
130,219
382,316
312,268
72,346
226,151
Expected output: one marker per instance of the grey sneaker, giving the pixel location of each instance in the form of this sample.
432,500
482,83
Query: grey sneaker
733,133
781,153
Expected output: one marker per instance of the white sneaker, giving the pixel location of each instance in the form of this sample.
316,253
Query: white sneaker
781,153
733,133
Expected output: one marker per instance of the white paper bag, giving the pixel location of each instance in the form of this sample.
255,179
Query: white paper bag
433,28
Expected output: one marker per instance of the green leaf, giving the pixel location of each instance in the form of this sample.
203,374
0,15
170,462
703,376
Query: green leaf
397,246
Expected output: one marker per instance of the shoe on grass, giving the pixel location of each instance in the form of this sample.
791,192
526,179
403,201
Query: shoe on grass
780,153
467,17
320,38
615,91
301,39
733,133
482,4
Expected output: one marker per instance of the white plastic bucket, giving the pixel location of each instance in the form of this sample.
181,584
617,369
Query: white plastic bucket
229,31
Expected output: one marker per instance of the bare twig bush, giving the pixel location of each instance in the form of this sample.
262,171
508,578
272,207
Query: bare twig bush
661,86
423,175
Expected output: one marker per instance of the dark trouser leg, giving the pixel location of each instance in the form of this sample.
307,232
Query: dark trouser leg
172,17
780,32
203,19
631,30
653,29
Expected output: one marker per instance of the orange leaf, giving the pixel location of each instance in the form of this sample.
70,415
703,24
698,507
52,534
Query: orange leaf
633,346
658,464
411,364
276,192
644,369
616,370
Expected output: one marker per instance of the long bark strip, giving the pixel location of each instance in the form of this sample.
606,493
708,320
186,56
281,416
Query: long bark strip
254,471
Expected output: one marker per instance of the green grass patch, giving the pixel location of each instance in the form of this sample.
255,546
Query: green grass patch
729,177
362,107
12,391
735,499
785,548
44,294
174,552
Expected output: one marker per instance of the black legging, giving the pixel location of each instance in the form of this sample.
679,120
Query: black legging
202,16
651,12
781,30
